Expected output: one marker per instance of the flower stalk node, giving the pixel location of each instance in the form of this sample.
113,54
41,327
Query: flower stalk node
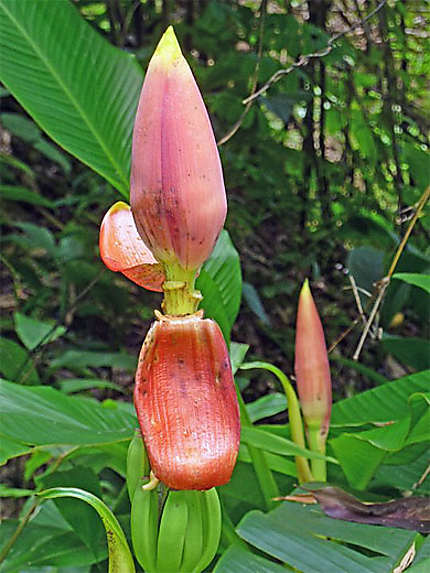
179,298
152,483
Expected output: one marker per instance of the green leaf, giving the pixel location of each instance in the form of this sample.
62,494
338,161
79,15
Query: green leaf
361,368
14,491
363,136
239,560
29,132
419,404
399,472
244,486
10,448
20,126
271,443
16,364
15,193
78,359
34,332
421,281
253,300
298,536
72,385
360,454
417,160
38,237
237,354
211,302
82,518
81,90
266,406
44,416
366,264
47,540
120,559
220,282
386,406
385,403
422,560
412,351
281,105
54,154
275,462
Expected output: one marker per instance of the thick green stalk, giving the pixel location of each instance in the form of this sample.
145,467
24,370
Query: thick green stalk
266,481
180,296
295,418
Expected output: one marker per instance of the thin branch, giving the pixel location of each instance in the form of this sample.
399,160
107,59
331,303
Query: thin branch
343,335
357,298
422,479
420,206
383,284
305,59
236,126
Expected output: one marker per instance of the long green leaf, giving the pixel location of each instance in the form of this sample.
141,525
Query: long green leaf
416,279
81,90
46,541
385,403
120,559
298,537
386,407
271,443
44,416
220,281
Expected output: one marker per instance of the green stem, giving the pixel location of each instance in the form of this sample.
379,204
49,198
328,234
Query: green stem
266,481
317,444
228,534
18,530
180,296
295,418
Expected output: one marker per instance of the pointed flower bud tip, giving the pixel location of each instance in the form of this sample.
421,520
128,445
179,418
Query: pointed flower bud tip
186,403
311,364
177,188
168,49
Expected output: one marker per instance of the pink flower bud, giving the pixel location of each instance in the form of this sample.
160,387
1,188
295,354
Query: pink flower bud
177,188
311,364
122,249
186,403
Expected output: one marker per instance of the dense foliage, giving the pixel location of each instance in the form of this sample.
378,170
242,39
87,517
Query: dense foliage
324,171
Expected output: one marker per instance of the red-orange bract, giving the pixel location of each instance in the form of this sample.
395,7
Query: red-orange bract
311,364
177,188
122,249
186,403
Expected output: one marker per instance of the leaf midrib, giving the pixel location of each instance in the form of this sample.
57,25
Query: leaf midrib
74,102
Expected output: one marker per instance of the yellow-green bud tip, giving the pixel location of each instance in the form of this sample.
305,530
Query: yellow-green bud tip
168,49
118,206
305,291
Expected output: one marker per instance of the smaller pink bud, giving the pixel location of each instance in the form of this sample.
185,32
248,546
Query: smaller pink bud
177,188
311,364
122,249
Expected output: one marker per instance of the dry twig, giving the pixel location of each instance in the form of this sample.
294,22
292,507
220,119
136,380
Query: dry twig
382,285
302,61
